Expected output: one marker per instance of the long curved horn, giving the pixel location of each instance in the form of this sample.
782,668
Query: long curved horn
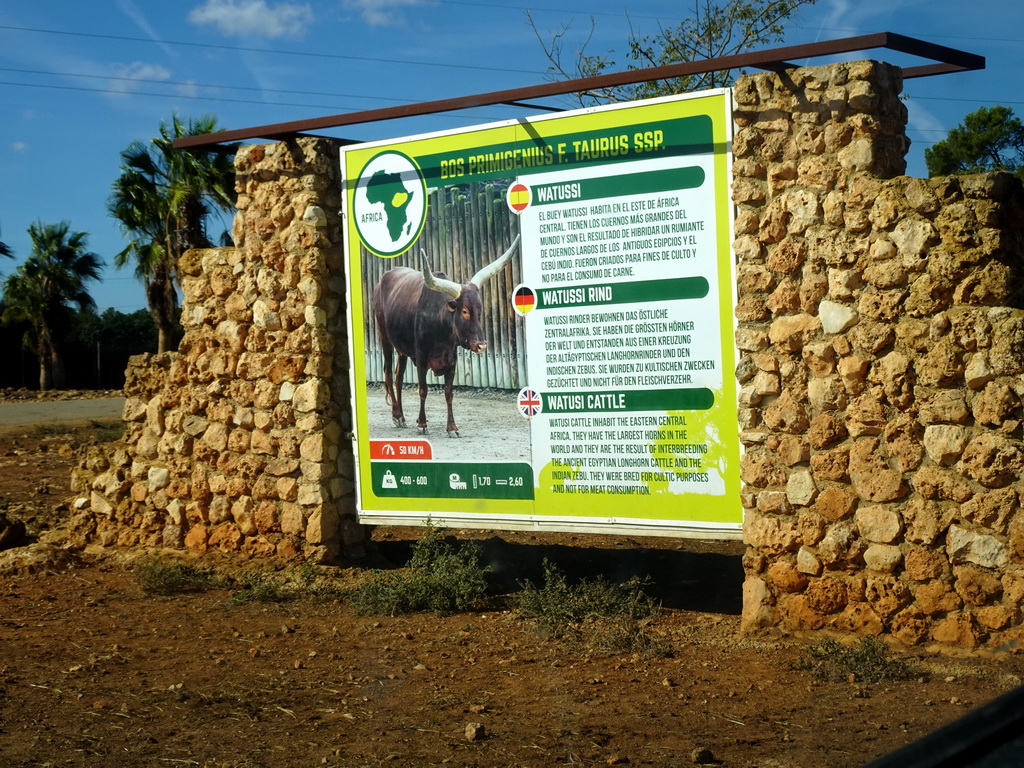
449,287
490,270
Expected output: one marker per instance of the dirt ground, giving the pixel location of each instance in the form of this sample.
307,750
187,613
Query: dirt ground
95,672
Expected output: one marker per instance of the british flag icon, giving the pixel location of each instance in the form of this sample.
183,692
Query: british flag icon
529,402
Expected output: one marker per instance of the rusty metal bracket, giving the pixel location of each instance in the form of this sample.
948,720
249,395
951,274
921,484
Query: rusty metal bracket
945,60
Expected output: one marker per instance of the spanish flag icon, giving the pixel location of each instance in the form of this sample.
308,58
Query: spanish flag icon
524,299
518,197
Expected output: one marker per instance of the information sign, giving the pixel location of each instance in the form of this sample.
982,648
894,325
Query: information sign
602,259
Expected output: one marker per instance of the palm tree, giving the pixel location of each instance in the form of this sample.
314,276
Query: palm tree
162,199
5,250
43,291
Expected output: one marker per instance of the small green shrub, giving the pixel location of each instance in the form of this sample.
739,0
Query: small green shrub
159,577
307,581
107,432
869,661
306,577
441,577
261,588
51,430
597,613
300,582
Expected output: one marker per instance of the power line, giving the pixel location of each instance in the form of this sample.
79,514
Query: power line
188,84
353,58
676,17
220,99
165,95
555,10
974,101
247,49
855,31
314,54
116,92
192,84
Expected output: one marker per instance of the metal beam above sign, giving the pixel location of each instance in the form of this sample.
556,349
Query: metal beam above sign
945,60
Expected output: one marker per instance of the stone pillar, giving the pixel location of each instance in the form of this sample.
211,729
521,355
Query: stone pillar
291,291
881,351
241,440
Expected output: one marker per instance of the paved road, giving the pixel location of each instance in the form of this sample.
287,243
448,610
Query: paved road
60,411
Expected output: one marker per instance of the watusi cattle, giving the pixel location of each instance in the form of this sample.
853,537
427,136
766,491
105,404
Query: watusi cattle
425,317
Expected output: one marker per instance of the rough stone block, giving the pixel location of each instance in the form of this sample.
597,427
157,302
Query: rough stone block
965,546
993,460
793,332
884,558
977,586
910,626
878,523
887,595
807,562
758,606
197,538
835,317
800,488
958,629
770,535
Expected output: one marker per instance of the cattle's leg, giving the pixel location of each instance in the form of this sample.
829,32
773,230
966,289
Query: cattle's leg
449,380
389,389
397,412
421,420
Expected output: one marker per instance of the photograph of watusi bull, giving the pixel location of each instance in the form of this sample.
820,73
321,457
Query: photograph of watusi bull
425,317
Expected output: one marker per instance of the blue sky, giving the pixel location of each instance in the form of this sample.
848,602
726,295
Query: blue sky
79,81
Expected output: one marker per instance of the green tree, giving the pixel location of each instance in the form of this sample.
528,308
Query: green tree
44,291
100,344
5,250
715,28
134,332
162,200
989,139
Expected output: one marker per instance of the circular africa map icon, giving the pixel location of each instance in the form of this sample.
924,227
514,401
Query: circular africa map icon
389,203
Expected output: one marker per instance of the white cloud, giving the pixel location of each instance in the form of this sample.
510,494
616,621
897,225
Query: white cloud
835,14
139,75
382,13
253,18
188,89
133,12
137,70
921,120
19,146
866,16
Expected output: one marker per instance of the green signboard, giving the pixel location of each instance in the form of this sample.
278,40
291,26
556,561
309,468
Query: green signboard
558,292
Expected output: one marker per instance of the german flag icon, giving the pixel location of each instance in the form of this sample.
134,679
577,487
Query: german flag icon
524,299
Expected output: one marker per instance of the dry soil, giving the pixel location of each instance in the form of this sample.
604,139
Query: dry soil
95,672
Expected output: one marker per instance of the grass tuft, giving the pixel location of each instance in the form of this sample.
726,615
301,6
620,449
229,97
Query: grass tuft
441,576
107,431
158,577
261,588
595,613
302,581
869,661
51,430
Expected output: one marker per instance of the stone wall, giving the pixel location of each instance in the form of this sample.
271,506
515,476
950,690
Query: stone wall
240,441
882,347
